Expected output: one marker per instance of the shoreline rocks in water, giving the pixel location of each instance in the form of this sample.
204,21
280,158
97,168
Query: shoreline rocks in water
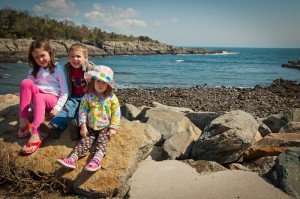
17,50
292,64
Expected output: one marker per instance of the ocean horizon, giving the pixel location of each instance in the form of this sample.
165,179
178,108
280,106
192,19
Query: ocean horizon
235,67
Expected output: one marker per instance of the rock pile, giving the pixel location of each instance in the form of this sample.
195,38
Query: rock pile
260,101
231,139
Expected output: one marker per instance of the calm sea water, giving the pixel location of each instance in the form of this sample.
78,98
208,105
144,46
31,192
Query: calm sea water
241,67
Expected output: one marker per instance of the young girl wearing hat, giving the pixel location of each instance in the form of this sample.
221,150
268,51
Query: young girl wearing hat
99,117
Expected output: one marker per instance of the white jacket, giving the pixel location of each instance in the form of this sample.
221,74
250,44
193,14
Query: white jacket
55,83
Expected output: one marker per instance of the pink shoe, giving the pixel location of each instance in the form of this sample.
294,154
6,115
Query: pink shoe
66,162
94,165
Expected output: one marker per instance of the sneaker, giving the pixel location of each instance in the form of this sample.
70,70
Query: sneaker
51,130
66,162
74,129
94,165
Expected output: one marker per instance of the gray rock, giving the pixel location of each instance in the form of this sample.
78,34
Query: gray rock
275,122
291,127
288,171
205,167
202,119
176,129
226,138
129,111
263,129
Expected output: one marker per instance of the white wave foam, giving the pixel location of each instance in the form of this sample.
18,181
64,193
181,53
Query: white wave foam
226,53
230,53
179,60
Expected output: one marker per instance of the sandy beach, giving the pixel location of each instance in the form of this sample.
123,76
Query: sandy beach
175,179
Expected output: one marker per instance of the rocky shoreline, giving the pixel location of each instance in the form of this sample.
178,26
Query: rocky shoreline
211,141
260,101
281,95
16,50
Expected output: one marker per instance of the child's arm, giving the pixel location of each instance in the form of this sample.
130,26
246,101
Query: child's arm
64,92
83,111
83,130
115,115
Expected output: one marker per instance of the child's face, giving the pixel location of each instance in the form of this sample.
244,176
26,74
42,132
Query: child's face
76,58
41,57
100,86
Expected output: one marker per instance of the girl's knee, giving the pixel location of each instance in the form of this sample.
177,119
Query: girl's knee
26,83
38,98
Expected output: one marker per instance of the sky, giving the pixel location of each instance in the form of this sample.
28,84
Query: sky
192,23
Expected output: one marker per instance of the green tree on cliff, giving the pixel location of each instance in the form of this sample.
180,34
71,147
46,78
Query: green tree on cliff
20,24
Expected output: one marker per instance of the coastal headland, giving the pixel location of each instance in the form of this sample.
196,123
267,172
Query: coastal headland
17,49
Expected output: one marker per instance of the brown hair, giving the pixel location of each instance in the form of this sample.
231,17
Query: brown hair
91,88
42,44
78,46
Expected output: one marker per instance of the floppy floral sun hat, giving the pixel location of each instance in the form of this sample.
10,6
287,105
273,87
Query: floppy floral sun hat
101,72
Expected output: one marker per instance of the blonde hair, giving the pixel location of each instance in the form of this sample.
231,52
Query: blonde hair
91,88
79,46
44,45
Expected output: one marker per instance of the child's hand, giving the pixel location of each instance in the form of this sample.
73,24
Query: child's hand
83,130
53,112
111,132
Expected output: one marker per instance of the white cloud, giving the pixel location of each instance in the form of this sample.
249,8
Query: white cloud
58,9
114,17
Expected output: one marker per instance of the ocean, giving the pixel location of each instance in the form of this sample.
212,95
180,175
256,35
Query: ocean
235,67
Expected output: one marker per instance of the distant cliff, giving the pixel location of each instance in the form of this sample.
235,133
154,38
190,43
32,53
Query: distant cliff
16,50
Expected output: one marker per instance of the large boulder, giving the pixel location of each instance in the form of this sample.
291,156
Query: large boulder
272,145
129,111
178,132
203,119
167,122
132,143
226,138
283,122
288,171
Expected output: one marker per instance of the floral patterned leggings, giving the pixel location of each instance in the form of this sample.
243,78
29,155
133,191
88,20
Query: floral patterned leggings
86,142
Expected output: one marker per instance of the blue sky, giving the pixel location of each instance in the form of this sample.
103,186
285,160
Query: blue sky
203,23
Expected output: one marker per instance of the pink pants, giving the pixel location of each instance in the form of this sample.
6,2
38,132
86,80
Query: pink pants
29,93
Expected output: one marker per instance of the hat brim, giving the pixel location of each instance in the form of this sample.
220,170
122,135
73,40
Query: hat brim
96,75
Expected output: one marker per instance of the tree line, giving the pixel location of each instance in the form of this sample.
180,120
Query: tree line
20,24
